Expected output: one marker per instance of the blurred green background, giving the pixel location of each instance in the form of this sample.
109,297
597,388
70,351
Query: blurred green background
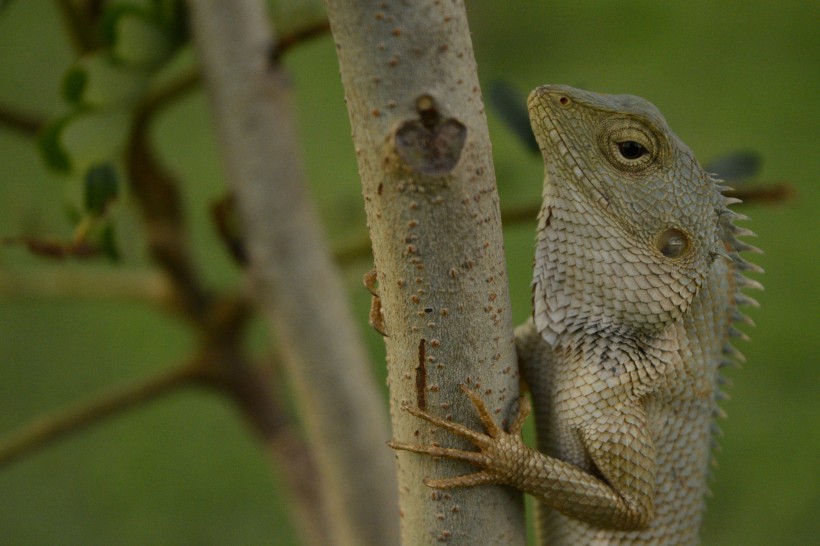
185,470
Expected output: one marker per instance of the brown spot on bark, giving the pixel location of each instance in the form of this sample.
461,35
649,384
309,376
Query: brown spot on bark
376,316
421,377
430,144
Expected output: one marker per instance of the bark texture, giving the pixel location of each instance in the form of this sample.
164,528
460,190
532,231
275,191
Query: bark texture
425,162
294,279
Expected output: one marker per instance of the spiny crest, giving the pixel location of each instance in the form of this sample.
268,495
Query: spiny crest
730,234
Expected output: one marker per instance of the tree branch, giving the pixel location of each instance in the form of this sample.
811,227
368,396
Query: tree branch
424,155
158,198
92,283
80,22
155,102
22,122
766,193
295,281
219,321
287,41
223,367
360,249
47,429
257,396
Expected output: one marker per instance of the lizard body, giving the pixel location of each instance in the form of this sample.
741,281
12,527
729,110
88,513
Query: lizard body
636,283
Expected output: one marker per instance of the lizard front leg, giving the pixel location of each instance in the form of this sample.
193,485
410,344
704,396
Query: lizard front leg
618,496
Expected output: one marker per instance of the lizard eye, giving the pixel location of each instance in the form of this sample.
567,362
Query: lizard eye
629,149
629,145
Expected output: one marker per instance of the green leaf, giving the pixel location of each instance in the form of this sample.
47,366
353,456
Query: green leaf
735,166
84,138
95,80
101,187
511,106
108,243
72,213
74,84
94,136
173,16
141,42
51,148
138,35
113,11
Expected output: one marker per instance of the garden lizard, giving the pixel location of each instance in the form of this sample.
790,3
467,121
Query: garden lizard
636,286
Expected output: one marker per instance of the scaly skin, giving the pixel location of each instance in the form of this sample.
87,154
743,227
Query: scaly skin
636,283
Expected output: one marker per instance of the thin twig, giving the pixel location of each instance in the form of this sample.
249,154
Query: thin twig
155,102
764,193
80,22
47,429
84,283
192,79
297,37
257,396
22,122
357,250
157,195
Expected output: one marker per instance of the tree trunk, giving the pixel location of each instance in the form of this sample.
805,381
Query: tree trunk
424,157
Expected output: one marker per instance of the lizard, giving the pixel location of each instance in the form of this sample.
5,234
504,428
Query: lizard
637,281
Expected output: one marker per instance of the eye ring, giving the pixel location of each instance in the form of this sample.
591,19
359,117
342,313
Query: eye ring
629,145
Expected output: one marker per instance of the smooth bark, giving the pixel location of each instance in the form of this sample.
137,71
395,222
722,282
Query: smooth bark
295,281
424,157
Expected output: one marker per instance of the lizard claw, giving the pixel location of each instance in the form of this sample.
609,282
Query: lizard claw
487,420
474,457
483,458
456,428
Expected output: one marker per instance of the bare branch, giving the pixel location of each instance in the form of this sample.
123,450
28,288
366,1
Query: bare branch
157,195
357,250
771,193
256,395
47,429
296,283
219,320
22,122
84,283
154,103
80,18
425,160
299,36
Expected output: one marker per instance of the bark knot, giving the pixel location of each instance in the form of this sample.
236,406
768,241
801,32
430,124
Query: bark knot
430,144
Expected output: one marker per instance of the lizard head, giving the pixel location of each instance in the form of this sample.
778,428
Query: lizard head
629,226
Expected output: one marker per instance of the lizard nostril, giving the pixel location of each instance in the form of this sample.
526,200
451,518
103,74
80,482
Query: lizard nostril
564,101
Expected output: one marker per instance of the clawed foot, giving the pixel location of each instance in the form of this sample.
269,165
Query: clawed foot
494,447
